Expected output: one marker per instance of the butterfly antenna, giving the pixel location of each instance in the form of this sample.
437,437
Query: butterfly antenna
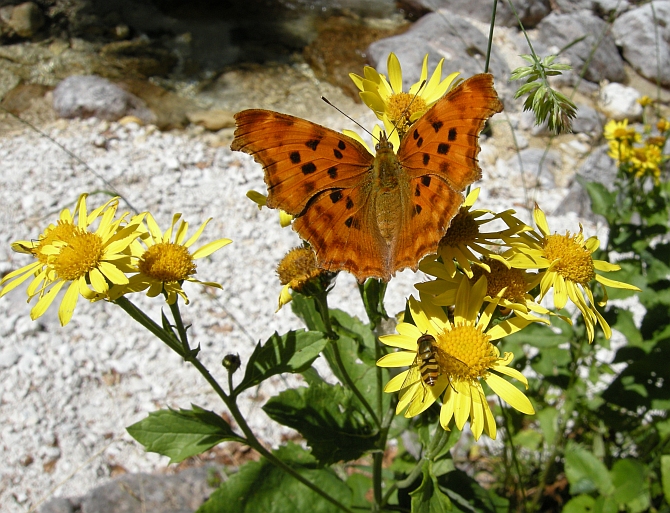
347,116
395,127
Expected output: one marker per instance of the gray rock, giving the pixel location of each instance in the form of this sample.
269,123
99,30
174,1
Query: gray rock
26,19
618,102
9,357
179,493
83,96
598,167
530,11
587,121
563,29
58,506
537,163
635,33
440,34
602,8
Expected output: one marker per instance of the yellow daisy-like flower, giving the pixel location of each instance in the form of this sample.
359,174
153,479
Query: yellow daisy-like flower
298,271
70,252
261,200
507,286
620,131
569,270
645,100
461,356
465,236
646,161
663,125
163,264
396,108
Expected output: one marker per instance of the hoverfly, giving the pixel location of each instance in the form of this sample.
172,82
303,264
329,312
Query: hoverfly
428,364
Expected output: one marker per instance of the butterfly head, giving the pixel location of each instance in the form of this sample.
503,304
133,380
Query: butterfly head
383,143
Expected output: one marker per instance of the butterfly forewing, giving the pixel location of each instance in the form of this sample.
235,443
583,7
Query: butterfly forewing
301,159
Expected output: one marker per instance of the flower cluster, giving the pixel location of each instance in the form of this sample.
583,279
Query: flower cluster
637,158
480,276
102,255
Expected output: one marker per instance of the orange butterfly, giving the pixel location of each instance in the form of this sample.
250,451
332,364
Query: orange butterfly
372,215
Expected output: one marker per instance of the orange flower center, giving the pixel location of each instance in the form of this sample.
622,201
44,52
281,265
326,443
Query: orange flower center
463,230
167,262
466,353
572,260
400,109
81,253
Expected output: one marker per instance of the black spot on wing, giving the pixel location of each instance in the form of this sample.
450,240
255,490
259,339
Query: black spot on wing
425,180
308,168
419,143
335,196
417,210
349,204
352,222
417,191
444,167
308,187
337,153
312,144
295,157
426,159
332,172
436,125
341,145
443,148
415,134
452,134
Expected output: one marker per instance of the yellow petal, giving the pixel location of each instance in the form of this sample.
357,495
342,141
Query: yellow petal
373,101
541,220
69,302
210,248
615,284
397,359
476,412
45,301
447,410
395,73
461,403
396,383
258,198
113,274
510,394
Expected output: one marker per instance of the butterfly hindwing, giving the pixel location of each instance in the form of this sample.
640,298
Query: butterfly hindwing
444,141
301,159
337,225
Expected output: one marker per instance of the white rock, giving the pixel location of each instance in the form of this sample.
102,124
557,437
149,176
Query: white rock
619,102
9,357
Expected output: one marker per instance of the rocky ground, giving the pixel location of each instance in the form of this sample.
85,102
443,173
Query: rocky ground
67,394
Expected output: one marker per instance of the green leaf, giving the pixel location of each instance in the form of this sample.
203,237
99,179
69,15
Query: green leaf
665,476
305,308
602,200
428,498
293,352
528,439
329,417
537,335
630,486
354,328
261,487
548,424
585,472
182,434
361,488
580,504
468,495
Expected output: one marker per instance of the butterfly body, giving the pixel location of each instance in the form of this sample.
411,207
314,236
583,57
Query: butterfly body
372,215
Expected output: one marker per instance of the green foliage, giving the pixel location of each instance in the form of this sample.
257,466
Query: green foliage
260,486
182,434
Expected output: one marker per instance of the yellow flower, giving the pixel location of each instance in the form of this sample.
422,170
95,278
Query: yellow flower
398,109
165,264
465,237
620,131
261,200
647,161
298,271
462,355
569,270
645,100
70,252
507,286
663,125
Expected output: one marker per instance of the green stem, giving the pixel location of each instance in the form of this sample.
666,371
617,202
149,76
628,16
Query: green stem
179,323
490,43
512,448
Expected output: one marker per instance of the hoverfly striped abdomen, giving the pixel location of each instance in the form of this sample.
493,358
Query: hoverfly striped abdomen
430,370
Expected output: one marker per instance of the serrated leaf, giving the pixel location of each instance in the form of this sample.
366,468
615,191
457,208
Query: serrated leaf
261,487
585,472
182,434
292,352
329,417
354,328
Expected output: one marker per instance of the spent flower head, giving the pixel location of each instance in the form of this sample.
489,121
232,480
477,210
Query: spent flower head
163,261
396,108
462,357
298,271
568,269
72,251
